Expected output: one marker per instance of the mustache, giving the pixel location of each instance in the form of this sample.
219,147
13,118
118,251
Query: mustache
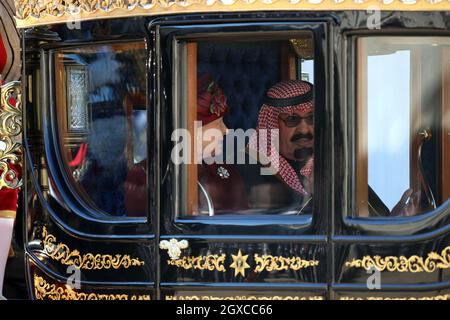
299,136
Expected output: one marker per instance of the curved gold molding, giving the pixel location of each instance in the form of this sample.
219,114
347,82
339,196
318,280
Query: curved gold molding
62,253
413,264
279,263
46,291
206,297
38,12
10,134
439,297
210,262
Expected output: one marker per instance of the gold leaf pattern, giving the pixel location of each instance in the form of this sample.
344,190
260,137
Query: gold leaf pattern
210,262
62,253
10,132
412,264
46,291
214,262
39,12
279,263
11,116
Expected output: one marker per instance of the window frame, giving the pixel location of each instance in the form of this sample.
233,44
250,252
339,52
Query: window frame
64,186
397,226
168,35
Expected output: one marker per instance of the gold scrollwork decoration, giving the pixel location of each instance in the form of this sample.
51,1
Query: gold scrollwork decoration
413,264
9,155
11,113
40,12
210,262
10,132
438,297
279,263
46,291
205,297
62,253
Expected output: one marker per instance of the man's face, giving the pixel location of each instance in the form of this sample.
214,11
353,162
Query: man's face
296,135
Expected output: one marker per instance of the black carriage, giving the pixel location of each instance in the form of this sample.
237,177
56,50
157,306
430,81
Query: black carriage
108,214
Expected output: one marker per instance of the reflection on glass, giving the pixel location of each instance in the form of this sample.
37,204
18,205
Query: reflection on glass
101,107
307,70
255,122
400,129
77,104
388,136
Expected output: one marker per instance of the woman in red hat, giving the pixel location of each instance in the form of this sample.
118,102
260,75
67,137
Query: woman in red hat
221,187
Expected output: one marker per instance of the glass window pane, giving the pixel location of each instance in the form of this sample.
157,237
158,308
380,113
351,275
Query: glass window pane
102,123
402,83
248,104
388,141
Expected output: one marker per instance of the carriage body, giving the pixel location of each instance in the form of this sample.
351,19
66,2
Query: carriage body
106,83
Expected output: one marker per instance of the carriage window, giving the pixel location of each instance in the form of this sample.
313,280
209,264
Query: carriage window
102,123
403,125
247,109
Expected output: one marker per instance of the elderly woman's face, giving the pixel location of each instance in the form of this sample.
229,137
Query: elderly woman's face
296,134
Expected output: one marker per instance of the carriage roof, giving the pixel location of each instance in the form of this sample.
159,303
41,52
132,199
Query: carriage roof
31,13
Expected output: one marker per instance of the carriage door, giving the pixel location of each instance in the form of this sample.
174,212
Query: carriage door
394,243
232,226
85,95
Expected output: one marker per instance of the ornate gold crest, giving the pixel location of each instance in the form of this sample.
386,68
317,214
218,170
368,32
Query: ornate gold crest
239,264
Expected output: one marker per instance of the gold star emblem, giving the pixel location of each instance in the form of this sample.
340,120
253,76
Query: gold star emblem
239,264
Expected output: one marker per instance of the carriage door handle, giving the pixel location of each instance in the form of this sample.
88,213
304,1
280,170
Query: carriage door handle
174,247
425,135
